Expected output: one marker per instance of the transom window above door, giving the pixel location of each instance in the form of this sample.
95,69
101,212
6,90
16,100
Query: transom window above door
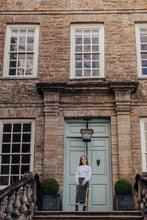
21,51
87,51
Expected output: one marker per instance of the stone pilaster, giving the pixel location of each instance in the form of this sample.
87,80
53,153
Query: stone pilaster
51,110
122,92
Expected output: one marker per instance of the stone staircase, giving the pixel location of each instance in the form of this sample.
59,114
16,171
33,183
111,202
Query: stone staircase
110,215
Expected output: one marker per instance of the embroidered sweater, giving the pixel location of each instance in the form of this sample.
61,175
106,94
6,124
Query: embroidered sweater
83,172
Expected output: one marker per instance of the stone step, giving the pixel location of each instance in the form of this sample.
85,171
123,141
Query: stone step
112,215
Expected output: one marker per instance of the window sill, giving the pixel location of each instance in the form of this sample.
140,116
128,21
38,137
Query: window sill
19,78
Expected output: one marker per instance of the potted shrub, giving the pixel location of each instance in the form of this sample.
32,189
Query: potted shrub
50,196
123,195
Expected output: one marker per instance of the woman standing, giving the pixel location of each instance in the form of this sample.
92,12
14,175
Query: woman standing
82,178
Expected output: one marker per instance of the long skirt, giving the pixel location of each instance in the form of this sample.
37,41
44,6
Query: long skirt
81,191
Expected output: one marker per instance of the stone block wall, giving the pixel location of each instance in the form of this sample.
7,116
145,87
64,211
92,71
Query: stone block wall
20,98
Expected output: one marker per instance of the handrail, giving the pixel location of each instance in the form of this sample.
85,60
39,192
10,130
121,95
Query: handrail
141,189
19,200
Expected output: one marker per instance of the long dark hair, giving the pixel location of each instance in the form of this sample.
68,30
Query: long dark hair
80,163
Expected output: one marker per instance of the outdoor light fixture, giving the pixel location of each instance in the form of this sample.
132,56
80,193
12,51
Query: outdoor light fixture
86,134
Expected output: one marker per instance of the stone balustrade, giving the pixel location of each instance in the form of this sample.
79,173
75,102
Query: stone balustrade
18,201
141,188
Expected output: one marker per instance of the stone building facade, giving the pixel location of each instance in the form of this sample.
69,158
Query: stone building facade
46,98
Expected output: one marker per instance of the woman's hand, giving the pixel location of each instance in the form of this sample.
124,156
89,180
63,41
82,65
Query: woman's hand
77,185
82,184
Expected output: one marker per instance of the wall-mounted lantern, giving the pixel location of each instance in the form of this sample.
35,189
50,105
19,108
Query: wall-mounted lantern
86,134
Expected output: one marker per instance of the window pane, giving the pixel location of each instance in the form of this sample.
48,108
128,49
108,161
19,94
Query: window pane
6,148
29,71
95,40
30,47
4,180
87,57
15,158
15,148
27,127
6,159
20,72
144,63
87,40
26,138
86,48
143,46
12,72
78,48
95,48
78,65
87,72
6,137
26,158
78,57
95,64
4,169
78,40
144,71
17,128
95,72
12,63
25,169
25,148
87,64
15,169
7,128
13,56
16,137
143,39
14,179
78,73
144,56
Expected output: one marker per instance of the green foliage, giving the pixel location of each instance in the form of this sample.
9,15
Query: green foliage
49,186
123,186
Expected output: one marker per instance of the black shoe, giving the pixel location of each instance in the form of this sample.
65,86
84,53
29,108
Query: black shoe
84,208
76,208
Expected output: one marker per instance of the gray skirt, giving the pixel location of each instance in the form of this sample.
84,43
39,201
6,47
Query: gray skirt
81,191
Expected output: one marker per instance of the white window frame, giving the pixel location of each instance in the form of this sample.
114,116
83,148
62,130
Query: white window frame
138,43
143,144
2,122
99,27
7,50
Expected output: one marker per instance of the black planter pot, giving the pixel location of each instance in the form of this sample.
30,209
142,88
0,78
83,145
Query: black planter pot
51,202
124,202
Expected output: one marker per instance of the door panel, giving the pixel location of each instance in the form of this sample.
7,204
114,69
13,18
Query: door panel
99,157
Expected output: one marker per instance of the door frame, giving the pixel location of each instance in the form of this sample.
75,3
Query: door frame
96,120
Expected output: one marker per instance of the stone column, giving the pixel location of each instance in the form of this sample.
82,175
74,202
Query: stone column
122,92
51,111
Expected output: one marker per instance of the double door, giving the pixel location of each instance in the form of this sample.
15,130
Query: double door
98,152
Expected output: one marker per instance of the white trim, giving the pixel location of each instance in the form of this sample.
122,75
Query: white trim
139,65
32,132
99,27
143,147
7,46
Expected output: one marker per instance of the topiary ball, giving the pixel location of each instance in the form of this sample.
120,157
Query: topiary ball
49,186
123,186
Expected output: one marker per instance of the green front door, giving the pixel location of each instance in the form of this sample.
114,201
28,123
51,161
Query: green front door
99,156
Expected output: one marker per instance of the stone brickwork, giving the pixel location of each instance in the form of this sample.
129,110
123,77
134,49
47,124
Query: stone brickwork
56,97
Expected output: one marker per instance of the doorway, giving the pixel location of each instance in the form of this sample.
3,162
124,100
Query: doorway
99,156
